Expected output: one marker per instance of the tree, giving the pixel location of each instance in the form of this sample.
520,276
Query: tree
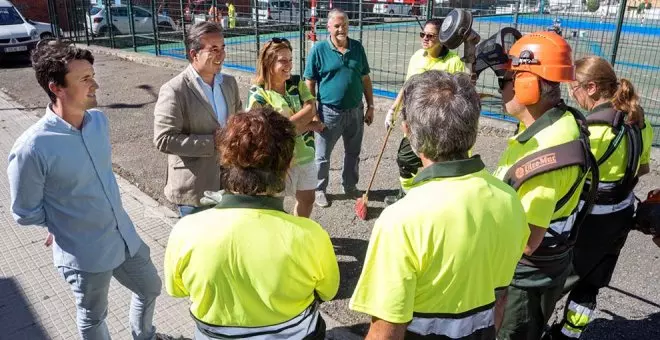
592,5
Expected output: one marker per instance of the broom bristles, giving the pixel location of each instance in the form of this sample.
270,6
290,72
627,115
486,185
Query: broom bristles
361,208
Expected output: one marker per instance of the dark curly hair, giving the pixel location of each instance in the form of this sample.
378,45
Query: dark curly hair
49,60
256,149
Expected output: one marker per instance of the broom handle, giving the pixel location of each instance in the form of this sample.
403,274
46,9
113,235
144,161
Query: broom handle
387,136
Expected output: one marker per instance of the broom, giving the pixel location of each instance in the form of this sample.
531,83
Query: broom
362,202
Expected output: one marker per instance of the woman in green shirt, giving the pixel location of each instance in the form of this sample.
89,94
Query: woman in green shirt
275,87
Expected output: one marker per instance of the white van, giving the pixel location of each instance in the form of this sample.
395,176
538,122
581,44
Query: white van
278,11
16,34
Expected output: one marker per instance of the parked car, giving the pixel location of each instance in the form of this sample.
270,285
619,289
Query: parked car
278,11
351,7
142,20
393,9
44,29
16,34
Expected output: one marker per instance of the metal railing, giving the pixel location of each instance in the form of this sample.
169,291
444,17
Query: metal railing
628,35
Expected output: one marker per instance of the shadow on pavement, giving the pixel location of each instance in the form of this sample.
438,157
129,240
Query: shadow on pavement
146,88
15,61
631,295
17,319
623,329
349,271
339,333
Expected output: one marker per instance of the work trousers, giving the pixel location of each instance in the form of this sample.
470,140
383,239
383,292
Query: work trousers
90,290
408,163
596,253
531,299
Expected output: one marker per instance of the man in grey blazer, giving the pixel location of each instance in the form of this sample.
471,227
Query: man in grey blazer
190,107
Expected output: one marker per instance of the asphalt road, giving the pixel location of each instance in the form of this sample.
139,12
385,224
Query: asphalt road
629,309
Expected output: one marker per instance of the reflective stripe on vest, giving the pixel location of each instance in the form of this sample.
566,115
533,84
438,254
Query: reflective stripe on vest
562,226
296,328
455,328
604,209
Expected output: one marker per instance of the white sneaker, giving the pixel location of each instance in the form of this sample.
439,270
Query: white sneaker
320,199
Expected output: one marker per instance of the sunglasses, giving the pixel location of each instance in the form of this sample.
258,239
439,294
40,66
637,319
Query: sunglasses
501,81
426,35
277,40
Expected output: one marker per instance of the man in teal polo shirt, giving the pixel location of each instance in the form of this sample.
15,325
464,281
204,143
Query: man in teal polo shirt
339,67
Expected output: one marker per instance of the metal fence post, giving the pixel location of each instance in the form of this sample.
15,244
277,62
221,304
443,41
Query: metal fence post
256,24
360,20
85,4
50,15
71,14
617,32
131,23
76,23
301,45
515,13
429,10
154,24
56,20
109,25
183,28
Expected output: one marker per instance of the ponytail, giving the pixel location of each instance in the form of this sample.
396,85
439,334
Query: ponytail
626,100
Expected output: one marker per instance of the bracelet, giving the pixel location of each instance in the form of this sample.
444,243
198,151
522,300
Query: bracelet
371,107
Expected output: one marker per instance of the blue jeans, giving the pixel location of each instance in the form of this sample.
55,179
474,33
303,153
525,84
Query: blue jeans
348,124
90,290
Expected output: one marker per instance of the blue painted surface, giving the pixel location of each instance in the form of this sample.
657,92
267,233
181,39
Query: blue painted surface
573,23
597,50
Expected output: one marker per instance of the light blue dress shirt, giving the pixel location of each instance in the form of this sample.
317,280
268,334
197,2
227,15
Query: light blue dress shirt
215,97
61,178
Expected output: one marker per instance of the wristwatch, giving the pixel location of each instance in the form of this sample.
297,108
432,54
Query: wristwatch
371,107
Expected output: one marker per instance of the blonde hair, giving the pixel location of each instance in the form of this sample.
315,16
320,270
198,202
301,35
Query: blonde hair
266,60
620,92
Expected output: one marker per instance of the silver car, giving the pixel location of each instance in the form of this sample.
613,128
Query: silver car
97,20
17,36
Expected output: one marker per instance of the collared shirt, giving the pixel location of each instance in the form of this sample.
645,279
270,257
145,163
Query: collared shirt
540,194
61,178
437,263
248,263
215,96
420,62
339,75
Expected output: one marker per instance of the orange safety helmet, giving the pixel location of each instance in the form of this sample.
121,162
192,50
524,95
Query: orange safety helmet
536,55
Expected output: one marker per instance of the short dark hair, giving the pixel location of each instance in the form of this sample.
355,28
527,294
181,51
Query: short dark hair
50,59
435,22
256,149
196,32
442,112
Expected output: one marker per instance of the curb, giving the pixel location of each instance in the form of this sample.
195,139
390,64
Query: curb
487,125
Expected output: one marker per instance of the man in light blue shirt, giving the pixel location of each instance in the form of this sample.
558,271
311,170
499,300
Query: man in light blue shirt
215,96
60,177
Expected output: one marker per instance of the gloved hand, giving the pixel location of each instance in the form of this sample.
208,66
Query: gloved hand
389,118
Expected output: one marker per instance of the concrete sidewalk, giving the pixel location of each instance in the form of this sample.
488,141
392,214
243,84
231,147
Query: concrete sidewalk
36,303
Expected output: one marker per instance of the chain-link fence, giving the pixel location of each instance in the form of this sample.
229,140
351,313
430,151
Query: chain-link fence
626,33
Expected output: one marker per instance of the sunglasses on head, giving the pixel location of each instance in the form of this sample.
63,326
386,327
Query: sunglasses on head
278,40
426,35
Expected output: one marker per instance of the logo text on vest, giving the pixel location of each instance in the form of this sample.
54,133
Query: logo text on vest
535,164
